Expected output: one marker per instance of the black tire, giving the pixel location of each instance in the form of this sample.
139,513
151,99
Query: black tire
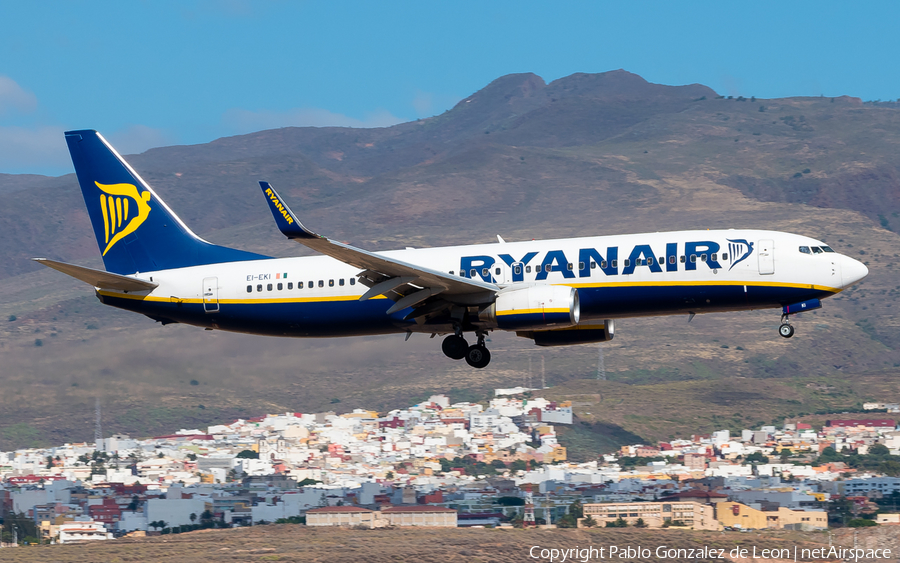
455,347
478,356
786,330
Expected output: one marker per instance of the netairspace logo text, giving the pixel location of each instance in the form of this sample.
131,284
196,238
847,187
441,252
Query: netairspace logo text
591,553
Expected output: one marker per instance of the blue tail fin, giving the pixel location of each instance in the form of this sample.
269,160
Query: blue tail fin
135,229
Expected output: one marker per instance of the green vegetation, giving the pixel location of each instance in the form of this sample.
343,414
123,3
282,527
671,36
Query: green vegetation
570,519
248,454
878,459
473,467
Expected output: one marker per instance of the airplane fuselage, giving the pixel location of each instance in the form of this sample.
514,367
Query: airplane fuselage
615,276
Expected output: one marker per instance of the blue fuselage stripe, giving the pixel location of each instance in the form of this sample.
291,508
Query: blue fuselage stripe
358,318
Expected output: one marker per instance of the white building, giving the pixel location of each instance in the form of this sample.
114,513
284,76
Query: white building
70,532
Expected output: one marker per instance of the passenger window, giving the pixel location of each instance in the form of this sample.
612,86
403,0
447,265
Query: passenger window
570,266
827,249
537,269
290,285
330,283
485,272
693,258
299,285
603,264
650,261
703,257
627,262
518,270
713,257
593,265
682,259
816,250
527,269
312,284
321,283
280,286
724,256
269,287
581,265
615,263
451,272
259,287
341,282
352,281
497,271
473,273
249,289
805,250
671,259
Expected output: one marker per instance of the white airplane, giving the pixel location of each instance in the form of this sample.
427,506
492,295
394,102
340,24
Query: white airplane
556,292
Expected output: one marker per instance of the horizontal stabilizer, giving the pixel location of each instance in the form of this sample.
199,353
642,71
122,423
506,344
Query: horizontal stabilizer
99,278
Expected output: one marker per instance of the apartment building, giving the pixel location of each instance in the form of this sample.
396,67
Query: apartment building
656,514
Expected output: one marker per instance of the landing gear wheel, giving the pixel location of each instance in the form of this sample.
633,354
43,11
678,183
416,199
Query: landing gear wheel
786,330
478,356
455,347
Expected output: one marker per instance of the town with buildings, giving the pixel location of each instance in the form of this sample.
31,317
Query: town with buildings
439,463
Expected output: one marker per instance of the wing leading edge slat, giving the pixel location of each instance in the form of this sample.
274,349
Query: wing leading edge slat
438,282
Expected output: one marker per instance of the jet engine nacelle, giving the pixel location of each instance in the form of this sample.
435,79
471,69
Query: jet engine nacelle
583,334
534,307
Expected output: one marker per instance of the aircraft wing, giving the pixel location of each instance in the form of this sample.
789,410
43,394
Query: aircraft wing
412,284
99,278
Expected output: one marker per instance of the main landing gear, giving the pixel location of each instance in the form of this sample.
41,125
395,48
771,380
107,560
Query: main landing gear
785,330
477,355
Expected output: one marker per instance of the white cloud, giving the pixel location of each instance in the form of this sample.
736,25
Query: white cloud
136,139
42,149
427,104
423,103
246,121
36,150
14,97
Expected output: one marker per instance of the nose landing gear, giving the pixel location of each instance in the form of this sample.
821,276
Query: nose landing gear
785,330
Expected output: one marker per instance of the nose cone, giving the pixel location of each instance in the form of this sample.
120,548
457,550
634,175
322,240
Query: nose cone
852,271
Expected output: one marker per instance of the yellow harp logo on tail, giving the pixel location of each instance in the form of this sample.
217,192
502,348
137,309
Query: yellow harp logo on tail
123,211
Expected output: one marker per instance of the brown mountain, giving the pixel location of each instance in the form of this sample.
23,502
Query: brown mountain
585,154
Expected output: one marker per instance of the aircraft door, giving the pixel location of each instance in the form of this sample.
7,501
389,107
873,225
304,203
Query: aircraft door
516,273
211,295
766,257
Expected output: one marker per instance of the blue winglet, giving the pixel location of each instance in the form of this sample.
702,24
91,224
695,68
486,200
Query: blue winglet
287,222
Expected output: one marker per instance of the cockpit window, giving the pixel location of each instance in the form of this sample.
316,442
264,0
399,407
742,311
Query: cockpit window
805,250
816,250
827,249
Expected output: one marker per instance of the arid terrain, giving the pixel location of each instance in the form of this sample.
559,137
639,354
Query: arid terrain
586,154
297,543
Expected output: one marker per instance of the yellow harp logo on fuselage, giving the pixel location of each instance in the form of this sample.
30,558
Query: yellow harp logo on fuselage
123,211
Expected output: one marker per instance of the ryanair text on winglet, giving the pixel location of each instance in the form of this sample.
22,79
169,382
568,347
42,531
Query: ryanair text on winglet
284,212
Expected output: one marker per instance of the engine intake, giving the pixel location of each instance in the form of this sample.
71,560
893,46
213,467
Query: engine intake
534,307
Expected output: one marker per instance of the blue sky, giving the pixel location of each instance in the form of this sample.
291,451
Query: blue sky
160,73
